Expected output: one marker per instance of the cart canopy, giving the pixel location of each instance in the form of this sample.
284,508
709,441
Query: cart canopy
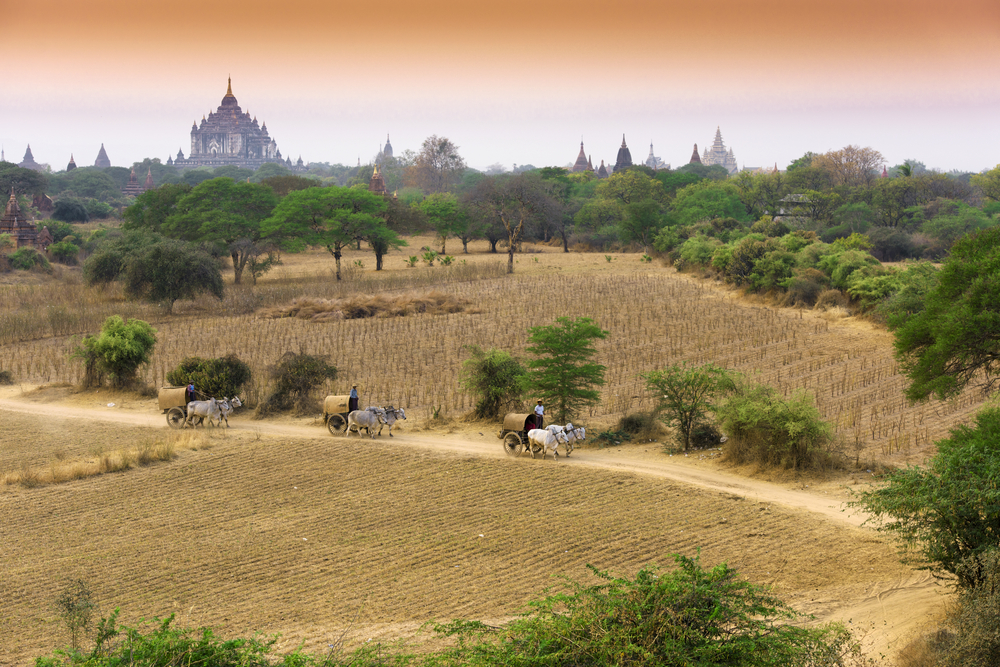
335,405
519,421
172,397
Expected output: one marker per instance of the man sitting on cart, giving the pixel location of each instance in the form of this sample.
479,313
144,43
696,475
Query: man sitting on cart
539,414
352,402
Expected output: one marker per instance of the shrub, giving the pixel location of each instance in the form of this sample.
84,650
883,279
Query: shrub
496,378
976,640
70,210
6,378
771,271
26,259
64,252
841,265
296,377
76,606
687,616
118,351
769,227
225,376
831,298
745,256
892,245
686,394
804,287
698,250
766,429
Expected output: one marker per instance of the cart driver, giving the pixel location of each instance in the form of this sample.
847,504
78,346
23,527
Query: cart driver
352,402
190,393
539,414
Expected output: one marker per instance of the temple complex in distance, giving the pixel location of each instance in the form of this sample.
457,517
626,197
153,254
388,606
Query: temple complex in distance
102,160
582,161
718,154
654,162
231,137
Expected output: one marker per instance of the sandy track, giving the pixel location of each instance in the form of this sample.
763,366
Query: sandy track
891,611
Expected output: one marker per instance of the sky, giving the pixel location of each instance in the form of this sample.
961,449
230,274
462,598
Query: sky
509,82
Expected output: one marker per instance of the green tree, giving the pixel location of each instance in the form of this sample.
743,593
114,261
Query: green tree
21,181
170,270
91,182
988,183
563,371
686,394
271,170
950,510
381,240
70,210
496,378
282,185
153,208
225,376
296,378
513,200
631,186
331,217
76,606
223,211
642,222
445,214
118,351
955,339
706,200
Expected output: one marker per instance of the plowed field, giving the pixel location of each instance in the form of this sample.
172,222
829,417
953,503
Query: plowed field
313,536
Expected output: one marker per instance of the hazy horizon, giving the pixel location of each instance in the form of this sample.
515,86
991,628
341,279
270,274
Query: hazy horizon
511,82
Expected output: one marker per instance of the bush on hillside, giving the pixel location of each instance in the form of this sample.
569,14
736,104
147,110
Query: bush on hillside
117,352
222,377
768,430
64,252
6,378
496,379
296,378
26,259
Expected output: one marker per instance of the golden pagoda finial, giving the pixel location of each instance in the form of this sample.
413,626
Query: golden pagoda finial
229,90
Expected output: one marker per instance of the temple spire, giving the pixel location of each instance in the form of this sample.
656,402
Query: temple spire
229,89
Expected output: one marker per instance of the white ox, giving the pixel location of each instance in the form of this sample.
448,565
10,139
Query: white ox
545,439
227,407
392,415
573,434
368,419
201,410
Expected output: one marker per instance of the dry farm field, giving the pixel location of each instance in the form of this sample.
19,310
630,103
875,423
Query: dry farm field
278,527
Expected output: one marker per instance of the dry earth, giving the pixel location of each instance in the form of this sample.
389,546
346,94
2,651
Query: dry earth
279,527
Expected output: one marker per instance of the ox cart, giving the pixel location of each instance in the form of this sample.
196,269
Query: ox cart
514,434
173,402
335,411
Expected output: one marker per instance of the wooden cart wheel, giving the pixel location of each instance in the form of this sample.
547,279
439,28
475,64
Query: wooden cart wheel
512,444
337,424
176,417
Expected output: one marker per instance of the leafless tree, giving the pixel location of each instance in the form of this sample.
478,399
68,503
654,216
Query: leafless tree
437,167
514,200
852,166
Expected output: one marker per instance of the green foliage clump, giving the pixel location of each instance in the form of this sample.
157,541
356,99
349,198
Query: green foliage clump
27,259
950,510
955,339
70,210
563,371
64,252
6,378
840,266
225,376
698,250
117,352
768,430
296,377
685,395
690,616
496,378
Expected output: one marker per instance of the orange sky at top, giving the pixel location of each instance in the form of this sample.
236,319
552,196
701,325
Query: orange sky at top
513,59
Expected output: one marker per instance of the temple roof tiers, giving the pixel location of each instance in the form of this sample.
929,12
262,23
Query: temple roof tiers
230,136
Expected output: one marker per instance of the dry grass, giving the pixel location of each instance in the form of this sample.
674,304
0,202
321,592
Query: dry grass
64,469
372,305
